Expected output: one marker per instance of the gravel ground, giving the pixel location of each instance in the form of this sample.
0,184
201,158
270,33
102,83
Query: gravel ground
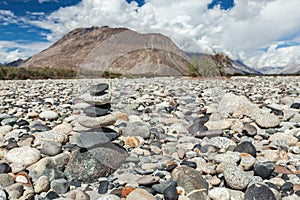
150,138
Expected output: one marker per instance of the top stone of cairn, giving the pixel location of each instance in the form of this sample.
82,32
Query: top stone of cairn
98,89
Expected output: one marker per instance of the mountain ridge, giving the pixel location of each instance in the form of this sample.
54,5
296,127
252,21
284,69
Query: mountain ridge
126,52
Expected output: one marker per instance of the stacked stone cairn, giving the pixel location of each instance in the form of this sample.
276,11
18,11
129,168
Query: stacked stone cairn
97,156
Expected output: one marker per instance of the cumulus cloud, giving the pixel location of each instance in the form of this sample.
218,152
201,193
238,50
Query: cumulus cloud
241,32
11,51
7,17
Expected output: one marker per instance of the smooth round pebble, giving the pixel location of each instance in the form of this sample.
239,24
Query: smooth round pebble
219,194
259,191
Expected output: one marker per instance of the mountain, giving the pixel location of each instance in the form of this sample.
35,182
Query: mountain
270,70
285,70
219,64
16,63
126,52
291,69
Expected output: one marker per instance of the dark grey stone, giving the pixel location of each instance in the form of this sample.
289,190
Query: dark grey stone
259,191
191,180
89,165
98,89
60,186
198,125
170,193
246,147
161,187
22,122
93,111
249,130
264,170
295,105
96,137
103,187
4,168
51,148
40,128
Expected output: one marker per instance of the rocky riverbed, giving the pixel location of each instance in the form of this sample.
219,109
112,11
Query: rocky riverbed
155,138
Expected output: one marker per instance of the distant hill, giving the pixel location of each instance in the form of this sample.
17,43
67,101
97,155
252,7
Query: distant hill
271,70
126,52
16,63
221,64
289,69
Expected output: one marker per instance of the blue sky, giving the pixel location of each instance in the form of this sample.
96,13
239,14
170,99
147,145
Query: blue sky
243,29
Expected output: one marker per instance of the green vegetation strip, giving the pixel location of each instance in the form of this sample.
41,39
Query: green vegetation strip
17,73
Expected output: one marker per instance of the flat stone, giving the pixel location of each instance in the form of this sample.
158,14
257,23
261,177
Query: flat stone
48,166
96,122
229,156
52,135
96,100
42,184
25,155
267,120
15,191
5,129
98,89
295,105
170,193
235,177
132,141
78,194
4,168
219,194
249,129
63,128
140,194
60,186
192,182
178,128
9,121
51,148
264,170
220,142
148,180
109,197
219,125
40,127
289,138
6,180
209,133
259,191
87,166
246,147
198,125
48,114
93,111
3,195
238,105
137,129
237,195
4,116
96,137
103,187
247,161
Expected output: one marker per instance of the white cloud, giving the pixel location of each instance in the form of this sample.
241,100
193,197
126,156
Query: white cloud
42,1
11,51
240,32
7,17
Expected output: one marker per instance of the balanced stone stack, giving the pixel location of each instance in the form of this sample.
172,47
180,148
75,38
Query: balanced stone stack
97,156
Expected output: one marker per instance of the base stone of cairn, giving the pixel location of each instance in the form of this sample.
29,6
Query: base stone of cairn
97,156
